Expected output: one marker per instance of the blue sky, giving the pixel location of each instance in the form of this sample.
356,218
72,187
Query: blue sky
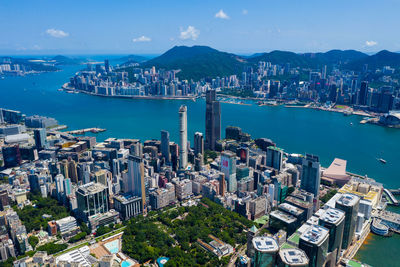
239,26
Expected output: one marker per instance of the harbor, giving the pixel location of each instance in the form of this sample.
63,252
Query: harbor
86,130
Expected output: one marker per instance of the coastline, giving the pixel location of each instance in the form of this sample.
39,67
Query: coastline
69,89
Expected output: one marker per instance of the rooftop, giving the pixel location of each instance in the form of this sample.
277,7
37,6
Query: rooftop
283,216
91,188
291,209
265,244
348,200
315,235
293,257
333,216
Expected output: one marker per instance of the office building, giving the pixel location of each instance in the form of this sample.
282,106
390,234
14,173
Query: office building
128,206
11,156
135,182
274,157
66,225
333,220
165,152
363,94
183,137
228,167
213,120
292,257
283,220
311,175
349,204
314,242
92,199
198,144
265,251
40,138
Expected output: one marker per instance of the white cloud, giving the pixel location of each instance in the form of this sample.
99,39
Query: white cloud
190,33
245,12
221,15
57,33
370,43
141,39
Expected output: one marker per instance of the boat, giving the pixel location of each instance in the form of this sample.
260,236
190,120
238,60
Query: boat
351,123
382,160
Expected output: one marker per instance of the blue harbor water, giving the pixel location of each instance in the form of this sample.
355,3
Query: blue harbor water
297,130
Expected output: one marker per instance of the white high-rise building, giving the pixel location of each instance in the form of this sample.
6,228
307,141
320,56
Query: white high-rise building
183,137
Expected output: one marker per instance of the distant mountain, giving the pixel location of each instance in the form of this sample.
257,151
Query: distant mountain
198,62
338,56
133,59
63,60
283,57
380,59
309,60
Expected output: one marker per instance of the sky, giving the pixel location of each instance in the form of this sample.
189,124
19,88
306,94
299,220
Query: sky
237,26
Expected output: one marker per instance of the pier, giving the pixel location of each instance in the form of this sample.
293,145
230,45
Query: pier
390,219
395,191
392,199
87,130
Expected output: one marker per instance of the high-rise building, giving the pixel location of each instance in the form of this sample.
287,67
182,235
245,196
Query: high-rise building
165,152
183,137
198,144
314,242
363,95
213,120
265,251
222,186
274,157
40,138
107,65
92,198
228,167
67,187
72,171
11,155
291,257
136,184
333,220
311,175
349,204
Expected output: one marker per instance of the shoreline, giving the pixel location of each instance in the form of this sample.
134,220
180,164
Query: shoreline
73,90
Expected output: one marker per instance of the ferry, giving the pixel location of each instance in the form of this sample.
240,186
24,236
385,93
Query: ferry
381,160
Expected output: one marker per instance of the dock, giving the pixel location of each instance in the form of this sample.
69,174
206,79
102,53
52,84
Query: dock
391,219
87,130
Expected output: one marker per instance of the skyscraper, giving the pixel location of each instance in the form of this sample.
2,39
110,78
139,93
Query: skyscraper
228,167
362,97
40,138
314,242
274,157
213,120
165,146
107,65
198,144
333,220
265,251
349,204
135,180
311,175
183,137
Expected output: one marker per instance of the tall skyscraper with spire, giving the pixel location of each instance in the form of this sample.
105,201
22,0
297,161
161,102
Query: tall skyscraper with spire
183,137
213,120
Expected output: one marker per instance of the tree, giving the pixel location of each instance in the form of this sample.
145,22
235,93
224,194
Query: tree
33,241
